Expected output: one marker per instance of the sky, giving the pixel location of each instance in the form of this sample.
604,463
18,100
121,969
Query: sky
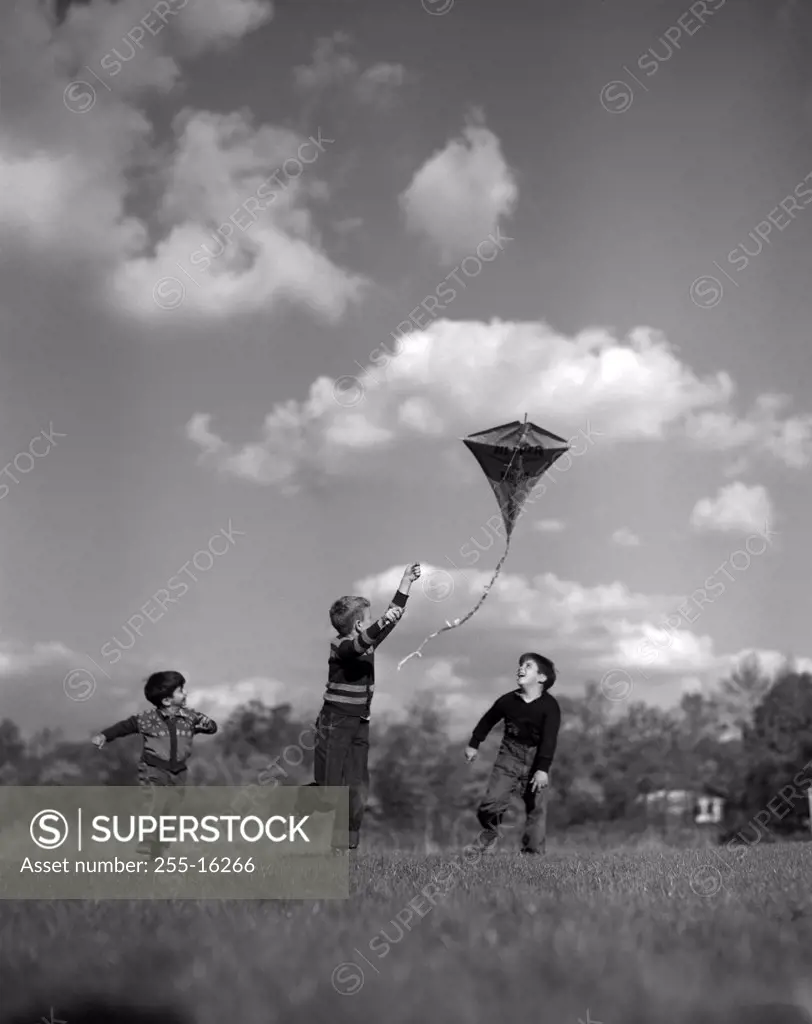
263,266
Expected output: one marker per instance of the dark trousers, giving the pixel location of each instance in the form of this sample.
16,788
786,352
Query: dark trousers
152,779
511,774
341,759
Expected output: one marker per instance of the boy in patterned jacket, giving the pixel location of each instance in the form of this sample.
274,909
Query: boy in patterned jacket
167,728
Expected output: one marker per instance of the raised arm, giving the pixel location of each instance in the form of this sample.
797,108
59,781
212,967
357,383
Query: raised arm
492,717
373,635
549,739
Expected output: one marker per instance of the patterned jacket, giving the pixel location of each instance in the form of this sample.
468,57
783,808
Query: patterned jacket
167,738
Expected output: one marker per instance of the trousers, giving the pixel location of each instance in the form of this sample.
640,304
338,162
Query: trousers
512,773
341,758
152,780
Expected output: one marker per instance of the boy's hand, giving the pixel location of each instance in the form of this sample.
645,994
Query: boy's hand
470,754
539,781
393,614
412,572
98,741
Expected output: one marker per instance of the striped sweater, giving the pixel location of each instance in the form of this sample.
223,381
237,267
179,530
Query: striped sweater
351,668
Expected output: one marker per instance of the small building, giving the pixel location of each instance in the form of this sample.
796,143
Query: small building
704,806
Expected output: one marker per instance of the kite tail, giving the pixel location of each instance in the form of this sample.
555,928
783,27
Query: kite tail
459,622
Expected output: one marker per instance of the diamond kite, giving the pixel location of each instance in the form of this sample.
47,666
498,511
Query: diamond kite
514,457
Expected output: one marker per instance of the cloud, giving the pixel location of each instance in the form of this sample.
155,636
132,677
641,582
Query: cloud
80,166
606,632
46,684
379,84
461,194
334,68
566,609
762,430
549,526
736,508
222,699
431,386
625,538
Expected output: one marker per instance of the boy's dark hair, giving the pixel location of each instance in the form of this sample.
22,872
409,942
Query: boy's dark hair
345,612
544,665
161,685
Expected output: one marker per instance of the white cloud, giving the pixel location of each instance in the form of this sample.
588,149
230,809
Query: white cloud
79,165
334,67
331,66
771,662
604,632
378,85
566,608
628,389
762,430
625,538
736,508
221,700
461,194
549,526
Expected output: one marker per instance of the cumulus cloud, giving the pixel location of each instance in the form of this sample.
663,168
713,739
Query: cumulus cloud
736,508
559,608
762,429
430,386
49,683
603,631
333,67
222,699
625,538
84,181
461,194
631,642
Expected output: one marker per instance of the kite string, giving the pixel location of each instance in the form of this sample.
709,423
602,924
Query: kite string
459,622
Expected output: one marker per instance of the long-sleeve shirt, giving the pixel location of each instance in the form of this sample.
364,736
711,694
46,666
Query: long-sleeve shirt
351,667
531,724
167,737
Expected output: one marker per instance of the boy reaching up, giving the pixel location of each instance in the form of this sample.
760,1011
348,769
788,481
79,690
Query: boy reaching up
532,719
342,728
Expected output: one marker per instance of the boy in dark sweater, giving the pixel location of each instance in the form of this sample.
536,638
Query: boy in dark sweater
532,719
167,728
342,728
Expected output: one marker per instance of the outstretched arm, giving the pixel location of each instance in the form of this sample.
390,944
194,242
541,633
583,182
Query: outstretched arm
127,727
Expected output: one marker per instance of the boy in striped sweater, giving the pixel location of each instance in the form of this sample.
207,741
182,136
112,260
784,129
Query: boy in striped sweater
342,728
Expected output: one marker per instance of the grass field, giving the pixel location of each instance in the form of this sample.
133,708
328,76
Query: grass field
631,936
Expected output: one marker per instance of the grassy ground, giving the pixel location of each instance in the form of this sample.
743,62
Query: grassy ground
630,936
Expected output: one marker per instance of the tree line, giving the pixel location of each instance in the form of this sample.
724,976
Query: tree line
745,741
